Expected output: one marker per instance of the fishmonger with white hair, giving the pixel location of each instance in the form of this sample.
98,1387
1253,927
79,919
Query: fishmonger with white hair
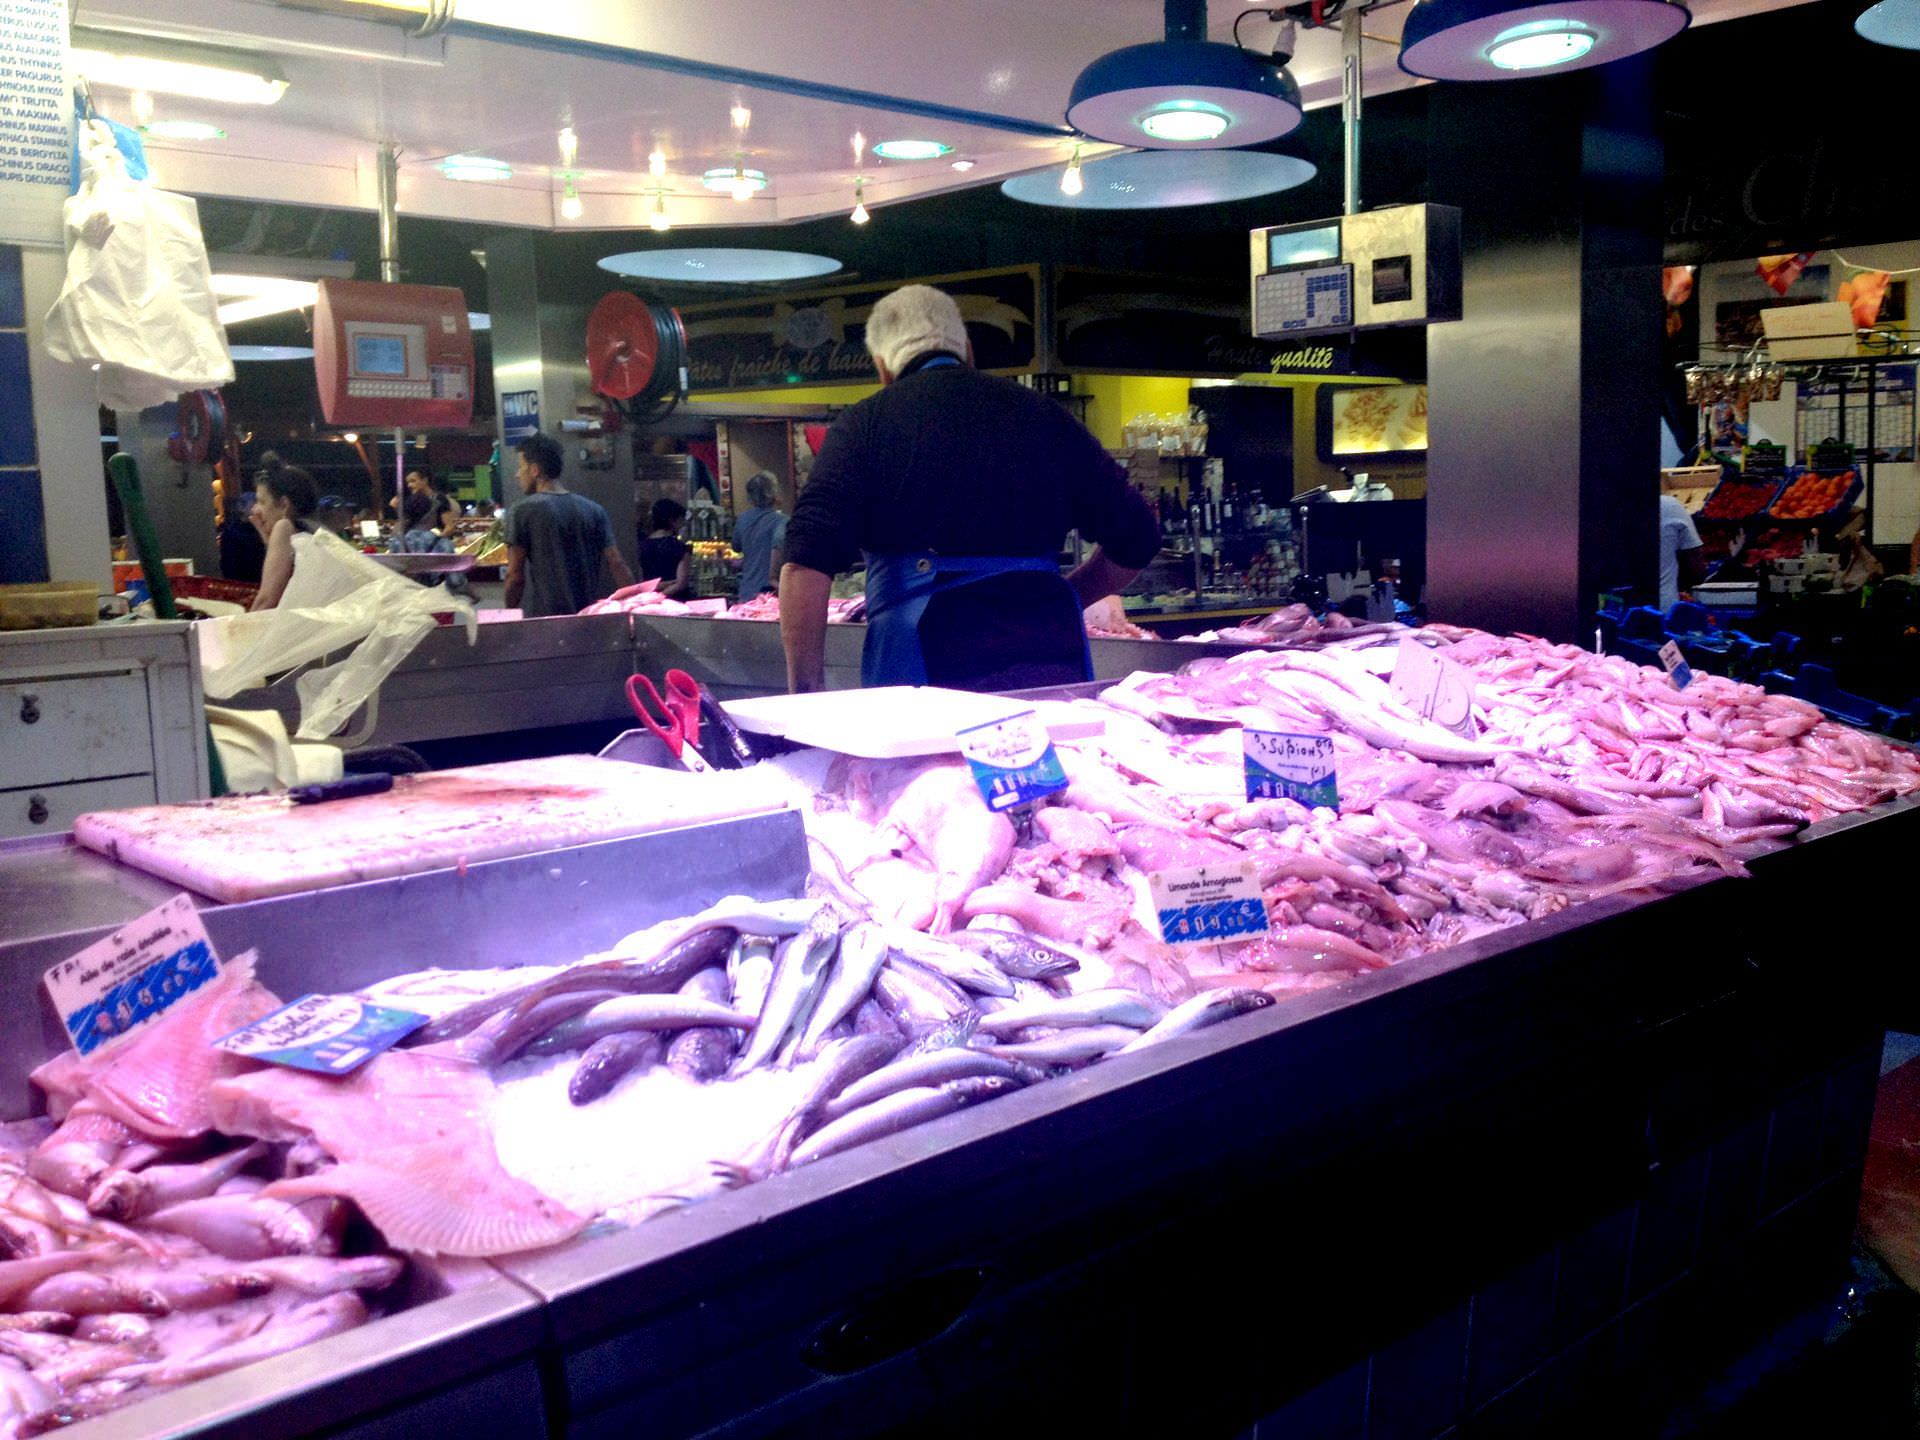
959,488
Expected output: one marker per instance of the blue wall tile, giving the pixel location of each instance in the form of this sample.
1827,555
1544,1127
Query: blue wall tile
13,299
1512,1328
1593,1277
1418,1382
16,402
1669,1223
23,528
1335,1409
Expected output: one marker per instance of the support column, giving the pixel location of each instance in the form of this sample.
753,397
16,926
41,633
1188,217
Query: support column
1543,472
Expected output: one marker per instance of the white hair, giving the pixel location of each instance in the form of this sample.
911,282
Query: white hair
911,321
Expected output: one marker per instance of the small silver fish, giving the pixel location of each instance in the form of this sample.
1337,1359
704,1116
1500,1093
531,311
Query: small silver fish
1068,1047
1209,1007
863,950
799,967
1090,1007
902,1110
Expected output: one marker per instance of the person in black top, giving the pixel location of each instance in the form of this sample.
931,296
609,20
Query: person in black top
959,489
558,543
664,556
242,550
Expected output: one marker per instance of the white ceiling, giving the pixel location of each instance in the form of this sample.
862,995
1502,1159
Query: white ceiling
507,90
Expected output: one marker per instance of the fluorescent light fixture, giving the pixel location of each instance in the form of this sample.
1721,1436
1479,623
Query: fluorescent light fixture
475,167
1891,22
204,72
1185,122
253,297
244,353
735,179
1164,179
719,266
1540,45
911,149
1512,39
1184,94
182,130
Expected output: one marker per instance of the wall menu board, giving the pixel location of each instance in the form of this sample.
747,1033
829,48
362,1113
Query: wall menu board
1822,403
1374,421
36,121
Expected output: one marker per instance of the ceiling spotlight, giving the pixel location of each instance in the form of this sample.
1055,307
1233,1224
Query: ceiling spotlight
741,117
860,147
911,149
1891,22
657,164
182,130
735,180
142,109
1184,92
658,221
1072,182
123,62
569,147
570,206
475,167
859,216
351,437
1512,39
963,165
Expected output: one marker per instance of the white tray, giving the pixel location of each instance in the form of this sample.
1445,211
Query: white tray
892,721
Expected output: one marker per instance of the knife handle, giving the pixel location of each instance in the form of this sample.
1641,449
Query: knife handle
342,789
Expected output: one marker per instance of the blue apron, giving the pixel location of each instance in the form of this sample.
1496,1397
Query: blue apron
899,587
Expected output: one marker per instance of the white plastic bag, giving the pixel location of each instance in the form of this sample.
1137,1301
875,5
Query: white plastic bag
138,301
337,600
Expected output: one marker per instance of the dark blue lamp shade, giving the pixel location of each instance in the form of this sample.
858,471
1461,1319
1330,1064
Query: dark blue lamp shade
1183,95
1518,39
1891,22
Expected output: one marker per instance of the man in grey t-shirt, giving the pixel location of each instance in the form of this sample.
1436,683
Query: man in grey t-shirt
556,540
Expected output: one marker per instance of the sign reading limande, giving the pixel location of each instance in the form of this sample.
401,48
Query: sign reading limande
819,338
1161,325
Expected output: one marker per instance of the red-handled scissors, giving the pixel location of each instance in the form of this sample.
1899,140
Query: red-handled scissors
679,712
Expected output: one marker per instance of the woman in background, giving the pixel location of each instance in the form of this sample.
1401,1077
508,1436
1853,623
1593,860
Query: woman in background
664,556
283,507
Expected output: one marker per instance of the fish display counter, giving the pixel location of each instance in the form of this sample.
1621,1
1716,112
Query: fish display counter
882,1111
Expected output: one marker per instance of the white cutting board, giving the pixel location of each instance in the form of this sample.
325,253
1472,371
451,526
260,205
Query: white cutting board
248,847
891,721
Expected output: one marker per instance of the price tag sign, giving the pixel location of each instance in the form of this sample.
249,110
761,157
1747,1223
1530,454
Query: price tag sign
1280,766
1676,665
1209,904
116,985
1435,688
1013,760
328,1034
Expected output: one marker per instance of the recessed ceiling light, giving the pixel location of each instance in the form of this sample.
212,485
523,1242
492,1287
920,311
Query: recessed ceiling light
123,62
732,178
1164,179
475,167
270,352
1541,44
963,165
911,149
251,297
182,130
720,266
1185,122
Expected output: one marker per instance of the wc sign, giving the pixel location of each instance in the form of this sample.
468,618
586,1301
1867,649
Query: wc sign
520,415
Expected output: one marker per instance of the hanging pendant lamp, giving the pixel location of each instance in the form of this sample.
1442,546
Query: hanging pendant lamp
1519,39
1891,22
1184,92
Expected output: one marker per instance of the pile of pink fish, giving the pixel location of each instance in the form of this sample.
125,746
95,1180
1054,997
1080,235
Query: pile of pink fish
841,609
1294,625
1589,777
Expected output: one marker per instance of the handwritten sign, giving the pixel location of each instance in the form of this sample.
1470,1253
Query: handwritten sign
1280,766
1012,760
1675,664
1434,688
329,1034
1209,903
116,985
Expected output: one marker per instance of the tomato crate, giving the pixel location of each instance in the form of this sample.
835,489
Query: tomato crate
1739,498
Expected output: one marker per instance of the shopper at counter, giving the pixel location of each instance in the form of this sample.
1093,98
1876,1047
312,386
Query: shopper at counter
960,488
283,511
557,541
242,549
418,537
759,535
664,556
1681,562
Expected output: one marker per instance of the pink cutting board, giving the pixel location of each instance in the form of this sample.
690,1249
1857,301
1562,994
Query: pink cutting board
248,847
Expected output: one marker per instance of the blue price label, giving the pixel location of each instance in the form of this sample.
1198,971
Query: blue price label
327,1034
1013,761
1675,664
1282,766
1209,904
116,985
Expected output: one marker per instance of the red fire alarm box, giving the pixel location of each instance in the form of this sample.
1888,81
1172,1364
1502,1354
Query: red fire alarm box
393,355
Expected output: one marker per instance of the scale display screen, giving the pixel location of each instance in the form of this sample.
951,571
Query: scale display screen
380,355
1303,247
